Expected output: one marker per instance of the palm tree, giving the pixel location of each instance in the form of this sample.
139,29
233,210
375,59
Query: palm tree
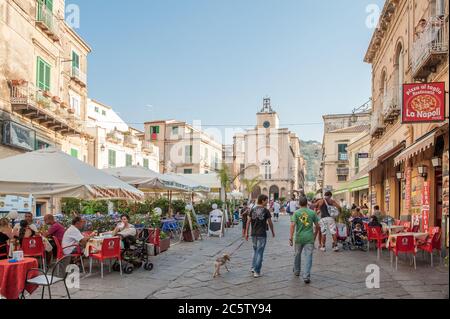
251,184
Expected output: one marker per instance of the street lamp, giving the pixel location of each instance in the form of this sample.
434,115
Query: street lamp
436,161
102,148
422,170
400,175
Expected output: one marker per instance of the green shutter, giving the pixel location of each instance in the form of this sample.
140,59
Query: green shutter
43,74
129,160
75,60
146,163
74,153
157,130
49,4
112,158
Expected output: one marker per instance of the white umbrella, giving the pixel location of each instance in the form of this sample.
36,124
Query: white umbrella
51,172
191,184
142,178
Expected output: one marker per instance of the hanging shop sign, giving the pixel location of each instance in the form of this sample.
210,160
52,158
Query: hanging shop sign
423,102
426,206
363,155
216,223
20,204
19,136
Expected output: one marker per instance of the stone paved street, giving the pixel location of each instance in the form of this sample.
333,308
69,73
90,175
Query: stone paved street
185,271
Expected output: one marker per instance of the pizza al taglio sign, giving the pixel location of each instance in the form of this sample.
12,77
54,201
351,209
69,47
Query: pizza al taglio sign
423,102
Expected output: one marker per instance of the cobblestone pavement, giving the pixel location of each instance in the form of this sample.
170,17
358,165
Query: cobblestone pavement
185,272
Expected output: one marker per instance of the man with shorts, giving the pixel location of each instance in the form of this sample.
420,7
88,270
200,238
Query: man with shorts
327,223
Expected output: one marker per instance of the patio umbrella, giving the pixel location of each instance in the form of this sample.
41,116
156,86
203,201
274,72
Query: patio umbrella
144,178
191,184
51,172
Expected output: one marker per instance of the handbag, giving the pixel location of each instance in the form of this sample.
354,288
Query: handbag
332,210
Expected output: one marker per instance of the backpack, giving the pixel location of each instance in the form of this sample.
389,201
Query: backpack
332,210
288,208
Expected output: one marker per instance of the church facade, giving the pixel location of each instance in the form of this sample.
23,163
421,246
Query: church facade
271,154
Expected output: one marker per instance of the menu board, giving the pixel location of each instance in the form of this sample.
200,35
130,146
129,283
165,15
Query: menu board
425,207
445,192
407,194
387,195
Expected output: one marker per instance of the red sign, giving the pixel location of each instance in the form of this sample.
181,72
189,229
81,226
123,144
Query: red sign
423,102
426,206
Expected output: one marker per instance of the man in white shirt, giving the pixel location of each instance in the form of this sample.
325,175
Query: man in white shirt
293,205
29,219
73,236
276,210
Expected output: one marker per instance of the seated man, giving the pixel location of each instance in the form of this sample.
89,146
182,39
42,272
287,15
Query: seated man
73,236
125,230
55,230
29,220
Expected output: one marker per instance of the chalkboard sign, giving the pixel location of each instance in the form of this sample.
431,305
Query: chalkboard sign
215,224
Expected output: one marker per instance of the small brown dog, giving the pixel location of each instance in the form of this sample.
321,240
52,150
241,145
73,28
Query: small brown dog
222,261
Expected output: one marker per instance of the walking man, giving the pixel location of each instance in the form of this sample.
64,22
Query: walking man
328,207
276,210
302,223
259,218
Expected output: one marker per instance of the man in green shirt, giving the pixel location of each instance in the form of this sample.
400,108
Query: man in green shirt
302,223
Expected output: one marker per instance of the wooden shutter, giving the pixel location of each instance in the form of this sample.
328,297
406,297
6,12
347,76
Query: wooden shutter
43,75
75,60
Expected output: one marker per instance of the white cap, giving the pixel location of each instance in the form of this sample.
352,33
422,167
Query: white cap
158,211
189,207
214,206
13,214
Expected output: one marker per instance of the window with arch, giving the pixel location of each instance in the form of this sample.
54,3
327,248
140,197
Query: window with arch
399,65
267,168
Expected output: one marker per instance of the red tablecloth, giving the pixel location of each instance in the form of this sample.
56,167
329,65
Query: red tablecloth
12,277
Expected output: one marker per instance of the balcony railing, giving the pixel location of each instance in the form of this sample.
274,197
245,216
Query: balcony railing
376,124
343,157
430,47
148,147
79,76
42,108
342,171
115,137
391,104
131,141
47,22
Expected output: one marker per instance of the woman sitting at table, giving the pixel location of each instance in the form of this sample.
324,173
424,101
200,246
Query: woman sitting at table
24,231
6,233
375,223
125,230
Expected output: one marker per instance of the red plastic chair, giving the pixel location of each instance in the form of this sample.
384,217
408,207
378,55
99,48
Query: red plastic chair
376,234
34,247
433,242
4,255
415,229
406,226
404,244
110,250
78,252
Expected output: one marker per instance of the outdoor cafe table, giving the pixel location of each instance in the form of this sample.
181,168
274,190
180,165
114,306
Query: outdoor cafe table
395,229
417,236
94,245
12,277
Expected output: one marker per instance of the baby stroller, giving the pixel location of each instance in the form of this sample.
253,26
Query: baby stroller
358,239
135,253
342,236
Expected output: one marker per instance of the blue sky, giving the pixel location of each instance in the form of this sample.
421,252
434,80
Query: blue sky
215,60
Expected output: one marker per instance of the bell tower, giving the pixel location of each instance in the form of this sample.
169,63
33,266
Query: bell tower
267,118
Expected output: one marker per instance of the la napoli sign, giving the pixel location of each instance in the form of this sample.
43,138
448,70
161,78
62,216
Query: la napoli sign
423,102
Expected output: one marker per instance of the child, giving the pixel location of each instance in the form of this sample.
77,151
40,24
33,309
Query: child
359,235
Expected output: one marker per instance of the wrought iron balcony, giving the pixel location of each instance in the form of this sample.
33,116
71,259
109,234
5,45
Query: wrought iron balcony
391,104
42,108
342,171
47,22
430,48
78,76
377,124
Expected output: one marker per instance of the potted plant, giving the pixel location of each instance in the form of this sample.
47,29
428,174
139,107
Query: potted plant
164,243
63,105
71,111
47,94
18,82
56,99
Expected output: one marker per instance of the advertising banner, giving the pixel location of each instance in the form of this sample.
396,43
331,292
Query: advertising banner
426,206
423,102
